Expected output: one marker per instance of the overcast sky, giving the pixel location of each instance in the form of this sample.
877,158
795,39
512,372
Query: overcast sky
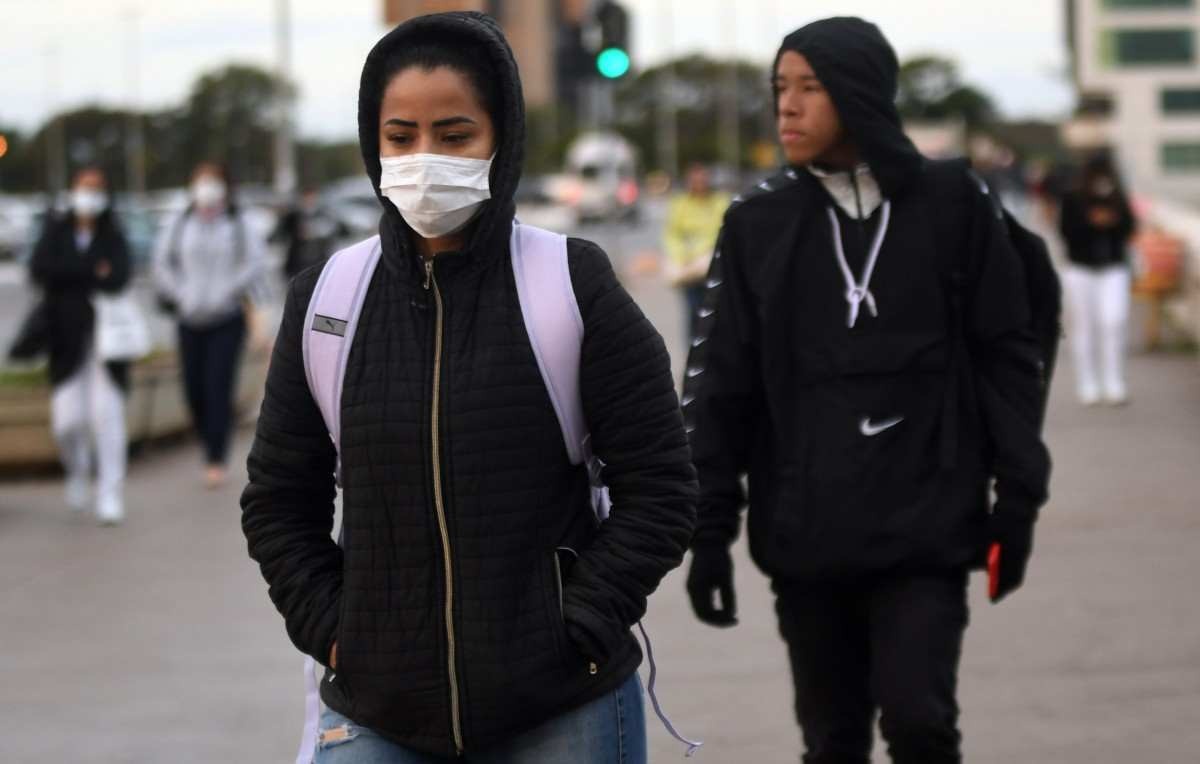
1014,49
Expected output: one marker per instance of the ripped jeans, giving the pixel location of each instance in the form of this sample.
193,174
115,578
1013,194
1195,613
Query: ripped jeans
609,730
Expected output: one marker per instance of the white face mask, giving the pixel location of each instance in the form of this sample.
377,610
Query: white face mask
208,192
437,195
88,202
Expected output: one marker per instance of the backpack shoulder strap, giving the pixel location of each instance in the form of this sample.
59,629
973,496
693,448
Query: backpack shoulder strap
329,326
554,324
174,256
555,328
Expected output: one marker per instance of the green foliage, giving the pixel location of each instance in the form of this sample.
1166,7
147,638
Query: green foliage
228,116
931,89
696,90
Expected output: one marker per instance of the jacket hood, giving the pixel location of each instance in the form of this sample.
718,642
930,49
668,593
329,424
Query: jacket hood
468,29
859,68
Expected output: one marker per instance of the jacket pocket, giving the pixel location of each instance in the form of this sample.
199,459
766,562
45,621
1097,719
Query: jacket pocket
562,559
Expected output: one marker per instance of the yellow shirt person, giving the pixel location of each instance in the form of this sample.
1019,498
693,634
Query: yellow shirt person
693,222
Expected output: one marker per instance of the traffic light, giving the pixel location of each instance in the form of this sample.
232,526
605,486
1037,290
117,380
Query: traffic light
612,55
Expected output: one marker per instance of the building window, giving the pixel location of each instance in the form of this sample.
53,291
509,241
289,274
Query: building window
1148,47
1181,101
1181,157
1139,4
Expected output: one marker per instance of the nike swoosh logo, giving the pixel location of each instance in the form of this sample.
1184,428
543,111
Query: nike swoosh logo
699,341
713,283
694,372
870,429
706,312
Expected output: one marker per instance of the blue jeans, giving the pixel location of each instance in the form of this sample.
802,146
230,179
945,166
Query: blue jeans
609,730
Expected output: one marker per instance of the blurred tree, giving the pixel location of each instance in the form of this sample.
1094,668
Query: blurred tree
549,130
16,166
229,116
92,135
320,163
695,93
931,89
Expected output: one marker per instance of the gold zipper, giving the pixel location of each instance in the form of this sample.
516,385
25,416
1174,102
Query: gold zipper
439,505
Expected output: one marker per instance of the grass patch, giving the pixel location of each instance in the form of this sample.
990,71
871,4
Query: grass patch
22,378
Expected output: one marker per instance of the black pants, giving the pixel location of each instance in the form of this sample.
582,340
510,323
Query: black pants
892,644
210,362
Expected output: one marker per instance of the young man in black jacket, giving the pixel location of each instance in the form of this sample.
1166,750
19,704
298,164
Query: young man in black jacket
869,409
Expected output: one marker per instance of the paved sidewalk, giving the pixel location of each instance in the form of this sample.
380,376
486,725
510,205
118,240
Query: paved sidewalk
156,642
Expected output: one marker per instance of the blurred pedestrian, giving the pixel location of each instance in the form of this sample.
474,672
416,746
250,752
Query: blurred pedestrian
79,255
1097,223
828,370
206,262
693,222
475,606
308,231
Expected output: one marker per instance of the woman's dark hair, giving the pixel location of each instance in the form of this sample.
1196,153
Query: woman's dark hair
1099,166
89,169
471,61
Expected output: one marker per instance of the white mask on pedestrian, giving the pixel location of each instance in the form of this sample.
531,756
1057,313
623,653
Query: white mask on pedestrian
88,202
436,194
208,192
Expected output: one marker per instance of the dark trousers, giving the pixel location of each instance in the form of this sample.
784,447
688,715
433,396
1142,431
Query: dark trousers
210,362
890,644
693,300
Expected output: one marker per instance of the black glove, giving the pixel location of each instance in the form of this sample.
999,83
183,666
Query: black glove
1014,534
711,574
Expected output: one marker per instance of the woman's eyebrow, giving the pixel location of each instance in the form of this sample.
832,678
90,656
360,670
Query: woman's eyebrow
400,122
454,121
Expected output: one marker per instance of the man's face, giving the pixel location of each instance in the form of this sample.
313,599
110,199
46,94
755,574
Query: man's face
808,123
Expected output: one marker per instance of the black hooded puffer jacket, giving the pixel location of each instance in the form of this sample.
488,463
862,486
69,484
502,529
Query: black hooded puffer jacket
780,388
455,647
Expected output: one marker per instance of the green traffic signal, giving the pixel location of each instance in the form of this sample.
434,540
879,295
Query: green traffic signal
612,63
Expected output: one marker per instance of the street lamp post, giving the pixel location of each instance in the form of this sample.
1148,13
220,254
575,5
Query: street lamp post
285,158
135,142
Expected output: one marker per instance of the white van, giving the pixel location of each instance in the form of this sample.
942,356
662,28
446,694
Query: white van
601,178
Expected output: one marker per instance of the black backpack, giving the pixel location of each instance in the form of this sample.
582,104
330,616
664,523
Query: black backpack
1041,283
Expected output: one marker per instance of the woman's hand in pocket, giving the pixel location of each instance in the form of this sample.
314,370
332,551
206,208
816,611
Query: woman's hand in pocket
333,657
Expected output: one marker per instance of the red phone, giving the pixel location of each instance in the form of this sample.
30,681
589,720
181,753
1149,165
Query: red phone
993,568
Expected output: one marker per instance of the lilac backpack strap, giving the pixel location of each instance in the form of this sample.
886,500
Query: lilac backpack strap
555,328
329,326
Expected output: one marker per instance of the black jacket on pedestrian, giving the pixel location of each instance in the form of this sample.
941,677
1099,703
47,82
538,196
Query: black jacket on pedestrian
68,279
308,236
781,389
1088,244
528,619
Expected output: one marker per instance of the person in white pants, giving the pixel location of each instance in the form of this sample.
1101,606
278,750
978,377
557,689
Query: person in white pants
1097,223
1098,305
88,416
79,255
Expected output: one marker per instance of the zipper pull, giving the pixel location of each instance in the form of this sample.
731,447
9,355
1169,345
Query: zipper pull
593,669
428,273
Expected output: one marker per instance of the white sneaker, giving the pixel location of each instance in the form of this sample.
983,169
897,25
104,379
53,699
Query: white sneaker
78,491
1089,398
109,510
1117,399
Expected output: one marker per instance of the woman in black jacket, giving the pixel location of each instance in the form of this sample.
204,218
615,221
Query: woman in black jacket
78,255
1097,223
475,607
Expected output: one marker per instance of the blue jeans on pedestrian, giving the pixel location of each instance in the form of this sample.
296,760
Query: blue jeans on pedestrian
609,730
